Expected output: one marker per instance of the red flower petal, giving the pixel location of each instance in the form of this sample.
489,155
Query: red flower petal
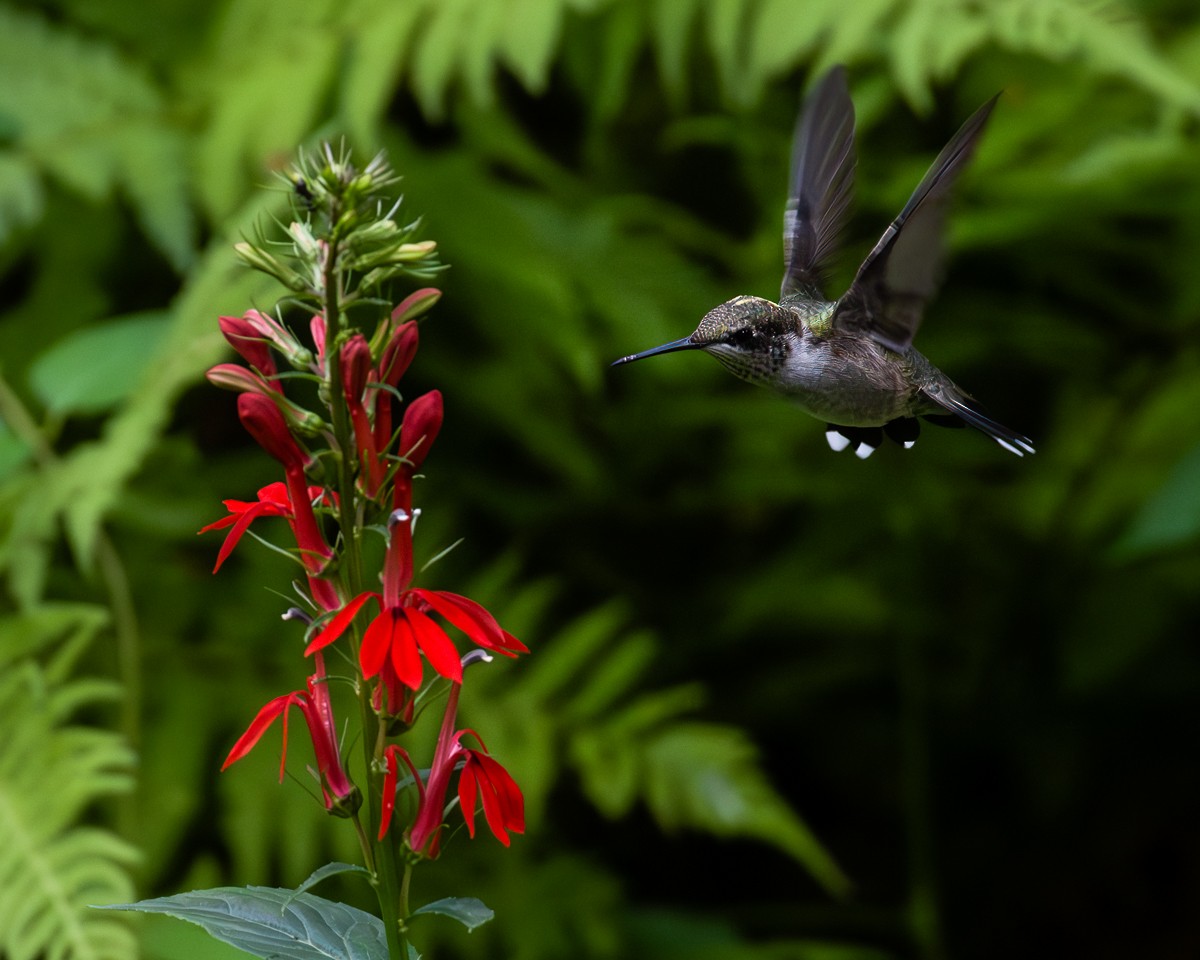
405,659
468,789
376,643
337,626
473,620
438,648
503,804
258,726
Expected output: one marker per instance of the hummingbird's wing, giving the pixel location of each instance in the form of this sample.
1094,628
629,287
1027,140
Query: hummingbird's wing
821,182
888,296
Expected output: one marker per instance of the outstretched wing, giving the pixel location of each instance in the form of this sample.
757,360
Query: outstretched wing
888,296
821,182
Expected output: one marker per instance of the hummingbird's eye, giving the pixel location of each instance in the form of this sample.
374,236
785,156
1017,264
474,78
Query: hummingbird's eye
744,337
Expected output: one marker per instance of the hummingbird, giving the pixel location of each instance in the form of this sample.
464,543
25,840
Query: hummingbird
850,361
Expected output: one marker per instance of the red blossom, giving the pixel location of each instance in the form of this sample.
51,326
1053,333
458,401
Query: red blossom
314,703
481,777
356,373
245,338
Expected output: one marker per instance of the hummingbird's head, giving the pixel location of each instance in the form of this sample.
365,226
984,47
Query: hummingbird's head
747,334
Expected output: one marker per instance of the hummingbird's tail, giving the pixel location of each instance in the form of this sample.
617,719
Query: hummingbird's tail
971,415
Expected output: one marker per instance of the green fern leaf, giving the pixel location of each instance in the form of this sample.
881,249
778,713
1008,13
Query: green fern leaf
529,39
707,776
51,869
1108,39
94,121
673,23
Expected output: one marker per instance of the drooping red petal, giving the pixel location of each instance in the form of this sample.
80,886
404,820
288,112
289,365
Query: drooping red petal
337,626
376,644
473,620
258,726
437,647
468,790
406,661
503,804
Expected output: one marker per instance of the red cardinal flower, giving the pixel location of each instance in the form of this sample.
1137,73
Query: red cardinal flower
404,629
340,794
482,777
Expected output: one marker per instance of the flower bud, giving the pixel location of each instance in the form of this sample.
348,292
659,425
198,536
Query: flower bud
267,426
418,430
248,342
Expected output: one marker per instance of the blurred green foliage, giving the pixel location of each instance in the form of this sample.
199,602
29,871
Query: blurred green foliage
976,676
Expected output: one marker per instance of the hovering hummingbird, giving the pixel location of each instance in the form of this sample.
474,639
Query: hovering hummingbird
850,361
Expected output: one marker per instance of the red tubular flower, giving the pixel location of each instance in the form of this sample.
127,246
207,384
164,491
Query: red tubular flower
356,371
397,355
317,327
246,339
340,794
482,776
272,502
419,428
503,804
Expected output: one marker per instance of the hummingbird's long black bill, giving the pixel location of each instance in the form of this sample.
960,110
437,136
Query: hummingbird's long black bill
685,344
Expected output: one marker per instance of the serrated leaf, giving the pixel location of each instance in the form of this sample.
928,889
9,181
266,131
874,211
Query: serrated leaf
468,911
93,370
270,922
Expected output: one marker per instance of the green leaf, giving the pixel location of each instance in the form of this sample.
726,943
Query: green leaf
52,772
1171,516
92,370
330,870
468,911
273,922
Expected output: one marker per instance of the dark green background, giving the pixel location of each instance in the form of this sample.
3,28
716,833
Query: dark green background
975,676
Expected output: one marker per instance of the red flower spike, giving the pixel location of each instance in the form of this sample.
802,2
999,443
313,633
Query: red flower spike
248,342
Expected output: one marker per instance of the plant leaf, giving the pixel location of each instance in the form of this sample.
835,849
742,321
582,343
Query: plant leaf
468,911
92,370
327,871
271,922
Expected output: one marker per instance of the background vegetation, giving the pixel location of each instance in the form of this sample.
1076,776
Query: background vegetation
976,677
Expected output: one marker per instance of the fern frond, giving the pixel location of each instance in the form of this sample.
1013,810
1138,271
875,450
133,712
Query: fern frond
94,121
52,869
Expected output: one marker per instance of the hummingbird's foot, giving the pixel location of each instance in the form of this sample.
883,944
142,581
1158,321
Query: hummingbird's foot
865,440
